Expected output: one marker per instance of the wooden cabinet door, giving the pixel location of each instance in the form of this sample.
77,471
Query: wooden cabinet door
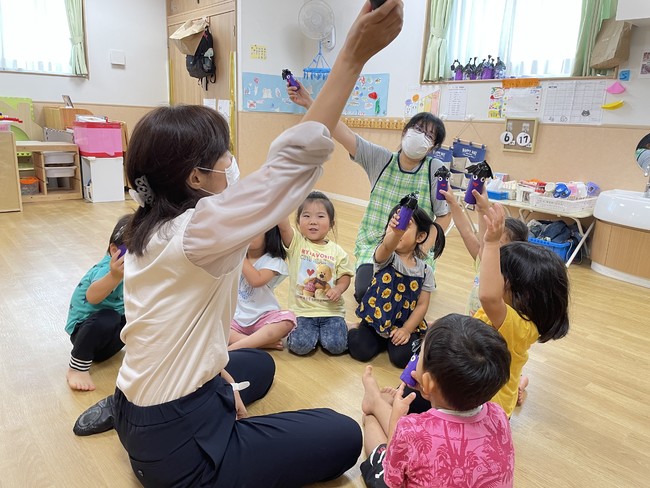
10,199
184,88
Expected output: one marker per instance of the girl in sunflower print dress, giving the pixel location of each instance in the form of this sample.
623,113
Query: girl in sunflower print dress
392,310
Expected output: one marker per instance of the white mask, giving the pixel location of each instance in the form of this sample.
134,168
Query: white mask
415,144
231,172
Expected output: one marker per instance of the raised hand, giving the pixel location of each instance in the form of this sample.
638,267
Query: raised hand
300,96
495,221
373,30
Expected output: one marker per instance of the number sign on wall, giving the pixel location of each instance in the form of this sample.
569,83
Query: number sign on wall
520,135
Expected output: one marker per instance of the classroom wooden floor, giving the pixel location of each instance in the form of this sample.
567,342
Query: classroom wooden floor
586,422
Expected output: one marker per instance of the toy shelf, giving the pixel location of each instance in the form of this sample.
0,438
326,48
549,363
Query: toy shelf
37,148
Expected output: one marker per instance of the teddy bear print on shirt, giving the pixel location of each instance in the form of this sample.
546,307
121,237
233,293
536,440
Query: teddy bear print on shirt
317,283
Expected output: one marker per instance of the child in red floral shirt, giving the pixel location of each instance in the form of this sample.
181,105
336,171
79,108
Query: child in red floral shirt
463,440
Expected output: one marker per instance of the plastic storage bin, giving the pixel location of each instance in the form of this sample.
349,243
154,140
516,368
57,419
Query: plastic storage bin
102,179
59,171
58,157
29,186
561,250
98,139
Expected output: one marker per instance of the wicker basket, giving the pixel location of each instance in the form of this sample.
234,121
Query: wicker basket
564,205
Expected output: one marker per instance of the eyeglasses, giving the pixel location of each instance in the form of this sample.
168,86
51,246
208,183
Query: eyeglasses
430,135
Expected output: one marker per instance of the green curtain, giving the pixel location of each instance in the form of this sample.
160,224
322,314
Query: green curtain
593,14
74,9
435,60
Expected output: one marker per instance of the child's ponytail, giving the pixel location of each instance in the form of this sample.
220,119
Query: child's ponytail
273,243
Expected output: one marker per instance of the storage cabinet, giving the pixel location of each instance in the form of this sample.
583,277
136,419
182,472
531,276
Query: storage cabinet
10,200
68,174
103,179
621,249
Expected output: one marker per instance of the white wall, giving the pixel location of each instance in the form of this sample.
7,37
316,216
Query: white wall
136,27
275,25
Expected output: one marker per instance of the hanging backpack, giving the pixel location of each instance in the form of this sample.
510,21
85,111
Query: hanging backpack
201,65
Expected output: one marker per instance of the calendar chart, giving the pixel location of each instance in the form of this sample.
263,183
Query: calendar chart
574,102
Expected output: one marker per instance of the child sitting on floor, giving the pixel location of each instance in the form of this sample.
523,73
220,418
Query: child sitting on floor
259,322
515,231
319,274
524,293
96,314
392,310
463,440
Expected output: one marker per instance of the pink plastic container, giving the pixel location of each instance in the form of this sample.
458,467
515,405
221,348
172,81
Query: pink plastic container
101,140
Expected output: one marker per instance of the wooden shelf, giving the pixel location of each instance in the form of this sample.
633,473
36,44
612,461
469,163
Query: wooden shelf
37,148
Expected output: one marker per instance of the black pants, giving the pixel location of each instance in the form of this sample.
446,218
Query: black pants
196,441
362,280
98,337
364,344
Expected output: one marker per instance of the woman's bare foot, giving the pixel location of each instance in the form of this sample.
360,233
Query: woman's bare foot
521,391
371,392
79,380
388,394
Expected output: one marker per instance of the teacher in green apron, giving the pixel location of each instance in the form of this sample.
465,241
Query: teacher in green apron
392,175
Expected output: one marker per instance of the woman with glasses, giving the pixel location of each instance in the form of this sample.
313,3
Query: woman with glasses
392,175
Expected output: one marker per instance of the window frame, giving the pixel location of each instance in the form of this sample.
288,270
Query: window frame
63,75
605,74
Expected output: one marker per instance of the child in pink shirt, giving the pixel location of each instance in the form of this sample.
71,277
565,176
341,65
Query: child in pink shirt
463,440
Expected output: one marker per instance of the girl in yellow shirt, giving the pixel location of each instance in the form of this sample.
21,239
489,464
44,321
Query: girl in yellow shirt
524,294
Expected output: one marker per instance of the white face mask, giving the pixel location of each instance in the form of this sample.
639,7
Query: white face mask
231,172
415,144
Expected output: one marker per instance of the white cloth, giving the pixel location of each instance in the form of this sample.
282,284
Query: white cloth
180,296
252,301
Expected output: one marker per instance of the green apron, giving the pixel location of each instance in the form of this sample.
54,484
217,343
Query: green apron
391,186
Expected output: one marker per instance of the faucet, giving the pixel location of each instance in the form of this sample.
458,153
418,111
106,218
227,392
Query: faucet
647,186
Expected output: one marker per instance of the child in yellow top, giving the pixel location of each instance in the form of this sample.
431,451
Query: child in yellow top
319,273
524,293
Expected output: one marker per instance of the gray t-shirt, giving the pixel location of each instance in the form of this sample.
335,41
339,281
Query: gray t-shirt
374,158
421,269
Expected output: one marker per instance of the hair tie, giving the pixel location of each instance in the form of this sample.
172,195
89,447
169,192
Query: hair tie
142,194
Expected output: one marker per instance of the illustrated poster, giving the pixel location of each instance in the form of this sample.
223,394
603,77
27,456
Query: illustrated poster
268,93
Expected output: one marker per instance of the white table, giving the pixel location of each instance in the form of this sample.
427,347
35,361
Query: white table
525,210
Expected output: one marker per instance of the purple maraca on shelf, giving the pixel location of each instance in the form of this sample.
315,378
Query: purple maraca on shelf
477,174
407,205
443,174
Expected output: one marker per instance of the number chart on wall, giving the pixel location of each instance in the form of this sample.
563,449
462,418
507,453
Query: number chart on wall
520,135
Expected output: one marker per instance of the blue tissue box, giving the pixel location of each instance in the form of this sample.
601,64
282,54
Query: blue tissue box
498,195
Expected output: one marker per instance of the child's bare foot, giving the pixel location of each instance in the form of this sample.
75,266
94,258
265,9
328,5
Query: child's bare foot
388,394
275,345
371,391
521,391
79,380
